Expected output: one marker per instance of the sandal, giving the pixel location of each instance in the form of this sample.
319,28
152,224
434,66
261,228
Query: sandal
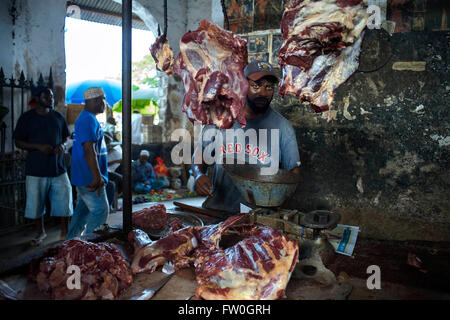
38,241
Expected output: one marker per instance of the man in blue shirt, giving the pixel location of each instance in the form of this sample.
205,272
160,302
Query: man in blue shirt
277,147
89,171
144,177
42,131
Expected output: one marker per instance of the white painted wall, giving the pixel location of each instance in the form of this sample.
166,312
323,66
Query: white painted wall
6,53
38,44
39,40
197,10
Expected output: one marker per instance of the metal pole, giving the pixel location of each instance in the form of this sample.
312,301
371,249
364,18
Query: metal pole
126,113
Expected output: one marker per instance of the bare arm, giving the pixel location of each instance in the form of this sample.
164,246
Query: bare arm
202,183
44,148
60,148
91,159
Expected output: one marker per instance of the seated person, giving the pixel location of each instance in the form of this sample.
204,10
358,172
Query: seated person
144,177
110,127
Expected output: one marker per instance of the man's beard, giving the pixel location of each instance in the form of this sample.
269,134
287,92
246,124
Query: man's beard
259,105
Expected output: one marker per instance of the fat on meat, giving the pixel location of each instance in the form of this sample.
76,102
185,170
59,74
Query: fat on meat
211,63
321,48
105,274
163,55
153,218
257,267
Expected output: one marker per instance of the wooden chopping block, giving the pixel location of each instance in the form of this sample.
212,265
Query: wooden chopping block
181,287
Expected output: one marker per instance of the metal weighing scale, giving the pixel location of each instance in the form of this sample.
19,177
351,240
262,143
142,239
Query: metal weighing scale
266,194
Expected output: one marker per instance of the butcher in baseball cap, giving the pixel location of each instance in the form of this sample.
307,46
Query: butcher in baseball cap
255,70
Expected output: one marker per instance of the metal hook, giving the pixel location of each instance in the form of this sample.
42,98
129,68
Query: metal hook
224,10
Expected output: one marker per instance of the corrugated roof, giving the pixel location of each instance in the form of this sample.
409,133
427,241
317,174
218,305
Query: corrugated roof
104,11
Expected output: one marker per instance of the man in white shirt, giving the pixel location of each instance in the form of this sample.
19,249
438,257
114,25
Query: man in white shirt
114,161
136,128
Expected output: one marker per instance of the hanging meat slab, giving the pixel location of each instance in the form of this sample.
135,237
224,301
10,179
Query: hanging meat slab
211,64
163,55
321,48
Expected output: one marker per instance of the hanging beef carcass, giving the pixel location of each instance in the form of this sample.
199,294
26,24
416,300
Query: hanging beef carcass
321,48
258,267
103,270
211,64
163,55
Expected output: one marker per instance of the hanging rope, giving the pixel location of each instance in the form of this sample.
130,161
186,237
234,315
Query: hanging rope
224,10
165,19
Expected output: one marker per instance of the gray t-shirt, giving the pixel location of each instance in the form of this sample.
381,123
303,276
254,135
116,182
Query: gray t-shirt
275,141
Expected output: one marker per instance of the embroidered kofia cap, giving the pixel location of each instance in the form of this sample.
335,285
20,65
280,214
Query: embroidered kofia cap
93,92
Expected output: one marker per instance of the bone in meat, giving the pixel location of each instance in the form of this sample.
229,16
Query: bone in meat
321,48
176,247
211,64
163,55
258,267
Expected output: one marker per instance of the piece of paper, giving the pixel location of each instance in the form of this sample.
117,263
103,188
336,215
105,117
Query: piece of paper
245,209
343,238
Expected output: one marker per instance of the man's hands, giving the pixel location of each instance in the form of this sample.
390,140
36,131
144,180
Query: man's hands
91,159
45,148
41,147
48,149
59,149
203,186
96,185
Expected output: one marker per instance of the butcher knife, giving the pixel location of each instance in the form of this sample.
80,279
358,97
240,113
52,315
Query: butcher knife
203,211
147,294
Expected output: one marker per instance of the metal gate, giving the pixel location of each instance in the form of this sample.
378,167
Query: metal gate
12,164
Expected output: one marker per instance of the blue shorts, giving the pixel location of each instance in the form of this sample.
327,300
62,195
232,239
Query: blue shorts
58,190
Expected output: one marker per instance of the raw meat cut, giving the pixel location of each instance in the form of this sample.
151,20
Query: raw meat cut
176,247
104,272
211,64
258,267
321,48
153,218
163,55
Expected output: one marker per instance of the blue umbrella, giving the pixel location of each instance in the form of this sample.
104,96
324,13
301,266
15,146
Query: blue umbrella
112,89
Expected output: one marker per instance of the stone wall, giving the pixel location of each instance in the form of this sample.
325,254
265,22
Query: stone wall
382,161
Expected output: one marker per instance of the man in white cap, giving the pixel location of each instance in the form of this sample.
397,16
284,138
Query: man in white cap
89,171
144,177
